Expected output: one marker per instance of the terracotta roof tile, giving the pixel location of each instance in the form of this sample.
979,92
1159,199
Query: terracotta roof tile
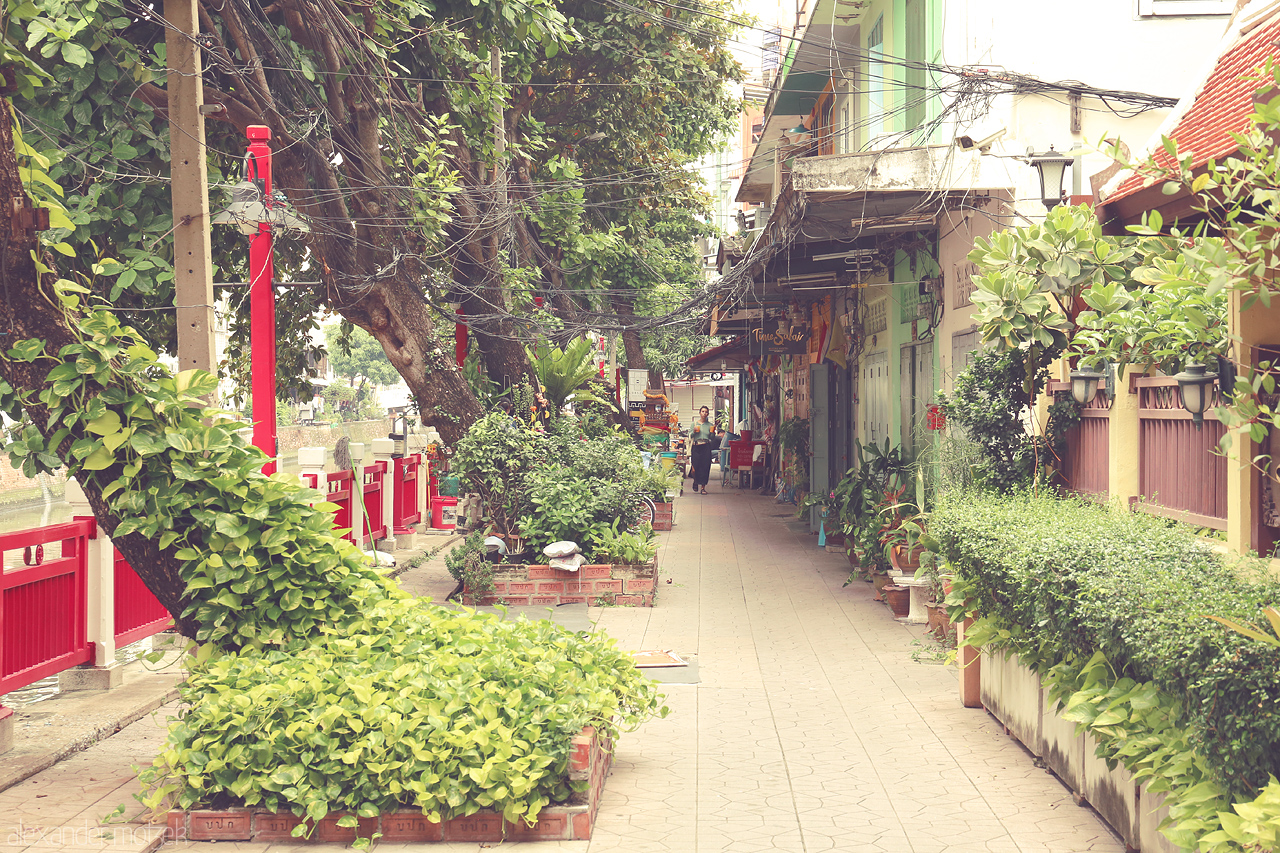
1222,106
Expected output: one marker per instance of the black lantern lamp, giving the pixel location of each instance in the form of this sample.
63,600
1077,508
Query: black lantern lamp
1194,383
1084,384
1052,166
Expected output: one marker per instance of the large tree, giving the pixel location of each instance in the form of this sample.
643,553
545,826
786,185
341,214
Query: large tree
383,117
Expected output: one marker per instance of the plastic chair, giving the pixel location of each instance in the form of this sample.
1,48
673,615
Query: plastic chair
725,473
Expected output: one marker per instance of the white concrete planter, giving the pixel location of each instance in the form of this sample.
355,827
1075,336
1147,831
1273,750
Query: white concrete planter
1013,694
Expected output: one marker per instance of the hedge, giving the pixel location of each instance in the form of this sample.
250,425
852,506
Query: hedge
1069,579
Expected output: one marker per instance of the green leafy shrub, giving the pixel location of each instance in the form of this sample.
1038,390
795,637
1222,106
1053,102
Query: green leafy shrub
622,547
261,565
988,403
495,457
1065,579
655,481
562,505
446,711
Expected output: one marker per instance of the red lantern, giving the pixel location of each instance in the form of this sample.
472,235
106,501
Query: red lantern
936,418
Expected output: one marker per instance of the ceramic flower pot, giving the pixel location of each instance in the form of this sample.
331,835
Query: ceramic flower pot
904,560
898,598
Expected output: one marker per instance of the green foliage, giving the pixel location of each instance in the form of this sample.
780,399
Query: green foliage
356,354
495,457
621,547
552,486
564,373
418,707
655,481
181,474
465,554
565,506
1136,593
345,403
1165,314
990,403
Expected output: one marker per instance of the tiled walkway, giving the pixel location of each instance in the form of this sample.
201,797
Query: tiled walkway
810,728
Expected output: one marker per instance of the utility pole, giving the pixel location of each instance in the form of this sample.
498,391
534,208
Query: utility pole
192,267
499,128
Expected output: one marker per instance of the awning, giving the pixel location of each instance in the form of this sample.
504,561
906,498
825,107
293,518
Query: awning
734,354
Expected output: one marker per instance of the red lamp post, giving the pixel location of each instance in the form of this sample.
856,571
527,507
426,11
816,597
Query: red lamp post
262,302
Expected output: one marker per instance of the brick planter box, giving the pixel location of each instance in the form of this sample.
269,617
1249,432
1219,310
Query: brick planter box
518,584
589,760
664,517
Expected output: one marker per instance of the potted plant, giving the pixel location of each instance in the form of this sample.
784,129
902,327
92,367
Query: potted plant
903,535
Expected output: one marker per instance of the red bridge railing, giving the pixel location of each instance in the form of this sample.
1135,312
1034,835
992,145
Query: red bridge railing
138,613
406,507
48,621
43,594
375,526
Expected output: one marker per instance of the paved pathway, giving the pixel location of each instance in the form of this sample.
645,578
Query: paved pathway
810,728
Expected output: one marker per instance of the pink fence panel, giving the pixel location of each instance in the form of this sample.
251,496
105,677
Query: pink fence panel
42,602
1085,470
1180,473
406,509
138,613
374,477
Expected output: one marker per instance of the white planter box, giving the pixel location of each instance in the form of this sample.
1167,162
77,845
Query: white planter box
1012,693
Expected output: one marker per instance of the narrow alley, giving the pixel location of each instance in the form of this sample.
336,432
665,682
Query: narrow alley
803,723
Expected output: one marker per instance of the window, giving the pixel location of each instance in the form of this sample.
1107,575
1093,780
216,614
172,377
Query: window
1154,8
915,91
875,80
843,131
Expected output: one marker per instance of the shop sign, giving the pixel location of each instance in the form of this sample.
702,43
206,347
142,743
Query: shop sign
780,339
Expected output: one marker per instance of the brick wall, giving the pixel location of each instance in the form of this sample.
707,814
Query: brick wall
628,586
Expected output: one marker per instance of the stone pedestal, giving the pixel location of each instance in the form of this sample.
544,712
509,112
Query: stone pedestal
91,677
919,614
6,729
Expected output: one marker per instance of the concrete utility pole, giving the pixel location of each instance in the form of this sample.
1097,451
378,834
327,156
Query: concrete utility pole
499,128
193,270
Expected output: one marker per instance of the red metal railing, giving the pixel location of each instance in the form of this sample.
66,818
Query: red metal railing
375,525
42,602
406,510
339,492
138,613
1180,474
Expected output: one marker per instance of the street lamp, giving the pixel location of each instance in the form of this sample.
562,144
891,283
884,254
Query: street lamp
1084,384
1051,166
256,209
1193,385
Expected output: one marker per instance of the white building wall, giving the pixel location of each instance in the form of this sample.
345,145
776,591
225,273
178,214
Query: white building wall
1104,44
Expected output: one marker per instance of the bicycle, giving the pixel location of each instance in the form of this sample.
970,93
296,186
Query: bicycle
645,511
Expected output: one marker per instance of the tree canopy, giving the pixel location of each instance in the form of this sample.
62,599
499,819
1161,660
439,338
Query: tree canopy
383,118
357,356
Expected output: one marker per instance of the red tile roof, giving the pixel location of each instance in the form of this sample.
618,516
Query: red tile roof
1221,107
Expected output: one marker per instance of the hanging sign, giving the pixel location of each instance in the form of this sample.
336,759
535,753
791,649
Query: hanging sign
780,338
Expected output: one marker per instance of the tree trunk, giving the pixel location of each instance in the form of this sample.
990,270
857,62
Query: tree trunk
626,312
28,311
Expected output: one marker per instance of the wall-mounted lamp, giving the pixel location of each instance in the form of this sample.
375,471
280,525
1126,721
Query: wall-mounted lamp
1193,383
1084,384
1051,166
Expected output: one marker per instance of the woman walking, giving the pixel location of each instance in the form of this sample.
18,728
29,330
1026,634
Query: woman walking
701,434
